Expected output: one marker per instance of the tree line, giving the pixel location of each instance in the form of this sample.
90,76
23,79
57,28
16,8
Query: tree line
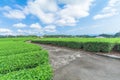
58,36
86,36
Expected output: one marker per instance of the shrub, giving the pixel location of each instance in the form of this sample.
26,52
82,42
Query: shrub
98,46
22,61
43,72
75,45
117,47
11,48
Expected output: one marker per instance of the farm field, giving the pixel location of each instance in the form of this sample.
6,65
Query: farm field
20,60
88,44
59,39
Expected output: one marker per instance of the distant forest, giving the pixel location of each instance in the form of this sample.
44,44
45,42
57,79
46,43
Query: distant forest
57,36
86,36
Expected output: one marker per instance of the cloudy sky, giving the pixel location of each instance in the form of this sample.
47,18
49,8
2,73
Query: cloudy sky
39,17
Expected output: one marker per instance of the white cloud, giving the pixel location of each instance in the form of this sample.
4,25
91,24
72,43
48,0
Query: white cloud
49,11
39,29
113,2
17,14
43,9
13,13
5,8
76,8
20,31
36,26
29,32
5,31
50,28
109,10
19,25
66,21
73,11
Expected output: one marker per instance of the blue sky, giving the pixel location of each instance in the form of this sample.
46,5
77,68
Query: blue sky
72,17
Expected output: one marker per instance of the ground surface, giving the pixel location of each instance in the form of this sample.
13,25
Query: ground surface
80,65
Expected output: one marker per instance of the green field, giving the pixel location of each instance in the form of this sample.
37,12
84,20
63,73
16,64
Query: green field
88,44
20,60
112,40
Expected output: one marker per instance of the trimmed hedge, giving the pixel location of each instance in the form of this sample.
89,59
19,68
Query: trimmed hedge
43,72
117,47
98,46
88,46
75,45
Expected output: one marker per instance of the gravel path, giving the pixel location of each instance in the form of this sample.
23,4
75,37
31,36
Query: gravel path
80,65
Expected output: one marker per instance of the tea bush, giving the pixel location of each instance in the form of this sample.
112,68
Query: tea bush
88,44
20,60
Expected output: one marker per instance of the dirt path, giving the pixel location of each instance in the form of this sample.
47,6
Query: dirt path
79,65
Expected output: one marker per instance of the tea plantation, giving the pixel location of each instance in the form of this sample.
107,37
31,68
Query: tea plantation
88,44
20,60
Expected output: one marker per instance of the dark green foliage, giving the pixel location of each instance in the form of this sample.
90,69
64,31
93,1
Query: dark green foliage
75,45
106,35
98,46
117,47
117,34
88,44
